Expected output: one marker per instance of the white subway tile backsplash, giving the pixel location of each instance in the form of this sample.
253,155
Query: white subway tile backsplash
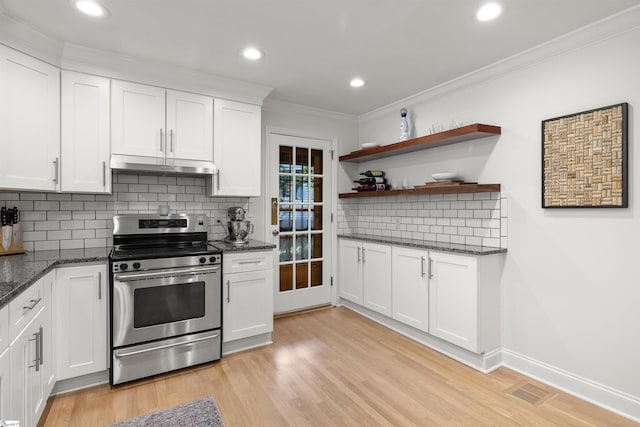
84,215
47,225
83,234
83,197
59,235
46,206
47,245
72,244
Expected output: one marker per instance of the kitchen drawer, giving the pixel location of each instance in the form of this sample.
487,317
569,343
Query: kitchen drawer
247,261
24,308
4,328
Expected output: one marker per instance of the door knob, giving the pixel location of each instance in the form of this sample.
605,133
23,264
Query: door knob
275,232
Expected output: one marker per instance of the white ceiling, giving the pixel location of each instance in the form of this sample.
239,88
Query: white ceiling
314,48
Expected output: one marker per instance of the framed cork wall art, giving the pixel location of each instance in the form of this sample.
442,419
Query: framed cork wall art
584,159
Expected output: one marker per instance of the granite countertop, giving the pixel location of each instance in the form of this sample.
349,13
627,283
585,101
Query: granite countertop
426,244
18,272
253,245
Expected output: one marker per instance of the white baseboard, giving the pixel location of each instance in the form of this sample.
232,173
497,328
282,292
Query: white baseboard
606,397
482,362
79,383
246,343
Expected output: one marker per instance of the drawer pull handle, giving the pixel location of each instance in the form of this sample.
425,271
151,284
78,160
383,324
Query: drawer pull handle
33,302
257,261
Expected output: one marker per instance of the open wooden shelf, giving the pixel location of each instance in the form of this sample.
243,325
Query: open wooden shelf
453,136
449,189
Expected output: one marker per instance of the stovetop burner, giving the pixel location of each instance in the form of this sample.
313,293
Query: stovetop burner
123,252
151,236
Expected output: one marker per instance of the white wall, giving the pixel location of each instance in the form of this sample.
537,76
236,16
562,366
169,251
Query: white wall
571,277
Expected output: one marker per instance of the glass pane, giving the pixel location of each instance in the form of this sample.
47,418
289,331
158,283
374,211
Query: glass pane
316,188
286,217
302,189
302,217
316,273
158,305
286,277
316,218
316,246
302,246
302,281
316,161
285,188
286,157
302,160
286,254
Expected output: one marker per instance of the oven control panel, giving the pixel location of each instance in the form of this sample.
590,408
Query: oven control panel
161,263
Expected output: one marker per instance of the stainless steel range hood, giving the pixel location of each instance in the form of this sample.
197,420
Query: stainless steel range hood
158,165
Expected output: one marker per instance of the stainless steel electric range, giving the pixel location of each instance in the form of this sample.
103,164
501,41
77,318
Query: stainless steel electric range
166,295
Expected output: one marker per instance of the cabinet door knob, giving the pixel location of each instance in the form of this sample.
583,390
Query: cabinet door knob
421,266
228,291
274,232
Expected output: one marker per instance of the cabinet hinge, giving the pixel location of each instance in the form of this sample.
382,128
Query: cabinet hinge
332,281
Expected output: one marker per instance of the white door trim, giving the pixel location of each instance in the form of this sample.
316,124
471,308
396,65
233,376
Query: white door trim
275,130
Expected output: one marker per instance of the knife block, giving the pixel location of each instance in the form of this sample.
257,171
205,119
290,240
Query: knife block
15,247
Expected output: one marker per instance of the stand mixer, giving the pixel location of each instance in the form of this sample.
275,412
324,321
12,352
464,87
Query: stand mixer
237,227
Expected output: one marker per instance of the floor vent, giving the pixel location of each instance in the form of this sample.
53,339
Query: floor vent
530,393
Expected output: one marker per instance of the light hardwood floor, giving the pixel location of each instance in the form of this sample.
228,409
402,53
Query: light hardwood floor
334,367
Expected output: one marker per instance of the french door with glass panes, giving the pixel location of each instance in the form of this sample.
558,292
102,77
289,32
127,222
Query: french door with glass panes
301,220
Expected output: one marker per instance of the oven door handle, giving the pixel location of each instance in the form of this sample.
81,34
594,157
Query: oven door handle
126,277
122,353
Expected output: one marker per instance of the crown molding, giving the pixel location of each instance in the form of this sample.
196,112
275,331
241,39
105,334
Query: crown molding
28,40
286,107
596,32
123,67
33,42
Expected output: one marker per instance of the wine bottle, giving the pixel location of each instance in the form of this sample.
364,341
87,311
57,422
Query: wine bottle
371,174
382,186
365,188
370,181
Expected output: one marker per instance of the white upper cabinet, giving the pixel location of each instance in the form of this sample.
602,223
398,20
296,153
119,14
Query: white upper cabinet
29,122
158,126
236,149
189,126
85,152
137,119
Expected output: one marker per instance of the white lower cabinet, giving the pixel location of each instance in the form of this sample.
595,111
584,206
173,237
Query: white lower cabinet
464,301
364,272
5,365
350,270
31,363
247,295
81,320
5,385
376,277
454,297
410,286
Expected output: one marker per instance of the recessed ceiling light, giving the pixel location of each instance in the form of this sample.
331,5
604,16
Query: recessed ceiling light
357,82
489,11
252,53
91,8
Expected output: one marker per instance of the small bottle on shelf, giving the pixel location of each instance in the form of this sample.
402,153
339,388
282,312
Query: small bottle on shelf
370,181
372,173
